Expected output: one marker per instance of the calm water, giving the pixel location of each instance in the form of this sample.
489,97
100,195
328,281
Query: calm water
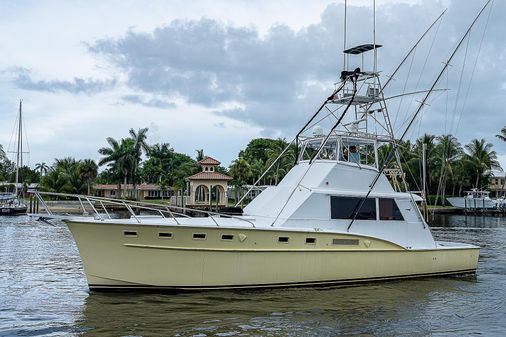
43,292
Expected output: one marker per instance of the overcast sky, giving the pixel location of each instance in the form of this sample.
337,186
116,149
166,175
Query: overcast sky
215,74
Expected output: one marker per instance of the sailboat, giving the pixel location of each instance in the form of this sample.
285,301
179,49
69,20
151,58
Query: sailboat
333,219
11,203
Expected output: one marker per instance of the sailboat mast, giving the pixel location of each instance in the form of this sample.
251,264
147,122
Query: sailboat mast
19,154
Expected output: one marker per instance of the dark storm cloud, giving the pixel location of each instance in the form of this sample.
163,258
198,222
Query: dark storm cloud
23,80
277,78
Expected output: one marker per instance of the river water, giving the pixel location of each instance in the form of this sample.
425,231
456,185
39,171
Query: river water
43,292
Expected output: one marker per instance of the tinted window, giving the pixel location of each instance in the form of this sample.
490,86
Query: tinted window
345,207
389,210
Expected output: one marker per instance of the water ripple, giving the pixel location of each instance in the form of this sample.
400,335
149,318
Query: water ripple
43,292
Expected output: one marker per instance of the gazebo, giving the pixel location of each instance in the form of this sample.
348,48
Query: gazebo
208,187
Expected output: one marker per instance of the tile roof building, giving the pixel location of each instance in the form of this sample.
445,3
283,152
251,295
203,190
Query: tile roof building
208,187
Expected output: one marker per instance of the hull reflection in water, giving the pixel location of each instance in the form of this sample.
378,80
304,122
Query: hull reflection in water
385,309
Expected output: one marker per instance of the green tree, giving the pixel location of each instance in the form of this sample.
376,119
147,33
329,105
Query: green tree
87,171
7,167
200,154
140,146
482,159
63,177
120,158
502,136
448,153
241,172
42,168
284,163
156,167
2,153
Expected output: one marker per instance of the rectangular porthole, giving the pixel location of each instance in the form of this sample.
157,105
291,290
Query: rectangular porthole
227,237
310,241
130,233
165,235
199,236
283,239
345,242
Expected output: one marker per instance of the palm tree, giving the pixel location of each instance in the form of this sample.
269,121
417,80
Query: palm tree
284,163
42,168
139,146
120,157
502,136
448,152
482,159
87,171
241,172
2,153
62,177
200,154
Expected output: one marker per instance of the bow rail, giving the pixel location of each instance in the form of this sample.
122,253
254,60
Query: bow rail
99,207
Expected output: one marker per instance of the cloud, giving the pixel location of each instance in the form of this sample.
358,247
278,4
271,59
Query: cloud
273,79
210,63
151,102
279,78
23,80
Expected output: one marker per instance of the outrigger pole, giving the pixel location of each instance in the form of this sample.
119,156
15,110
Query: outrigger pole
420,107
392,76
331,96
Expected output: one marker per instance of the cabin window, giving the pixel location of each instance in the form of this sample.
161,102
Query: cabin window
388,210
227,237
130,233
165,235
283,239
199,236
310,241
345,207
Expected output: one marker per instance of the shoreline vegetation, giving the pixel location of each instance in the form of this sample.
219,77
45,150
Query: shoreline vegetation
451,167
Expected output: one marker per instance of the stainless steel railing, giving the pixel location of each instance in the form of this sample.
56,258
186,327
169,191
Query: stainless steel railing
101,203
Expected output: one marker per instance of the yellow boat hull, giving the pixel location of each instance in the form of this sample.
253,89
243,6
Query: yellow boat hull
119,256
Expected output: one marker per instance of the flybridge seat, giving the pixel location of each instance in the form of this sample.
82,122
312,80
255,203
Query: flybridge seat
349,74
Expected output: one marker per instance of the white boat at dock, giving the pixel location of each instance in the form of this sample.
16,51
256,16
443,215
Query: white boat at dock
475,199
334,218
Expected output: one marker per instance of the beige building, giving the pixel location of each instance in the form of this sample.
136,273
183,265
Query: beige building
208,187
497,183
146,191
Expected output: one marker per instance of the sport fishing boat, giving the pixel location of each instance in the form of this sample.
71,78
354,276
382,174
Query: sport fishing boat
334,218
475,199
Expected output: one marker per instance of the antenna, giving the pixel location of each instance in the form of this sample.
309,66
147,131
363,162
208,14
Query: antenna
374,39
344,40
